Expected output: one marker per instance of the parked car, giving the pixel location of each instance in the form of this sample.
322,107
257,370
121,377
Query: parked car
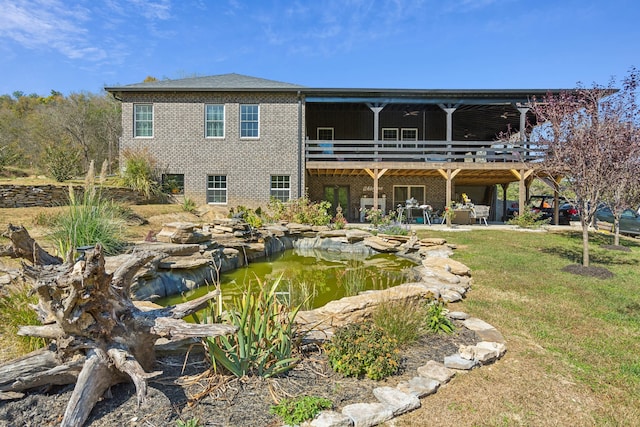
629,220
567,212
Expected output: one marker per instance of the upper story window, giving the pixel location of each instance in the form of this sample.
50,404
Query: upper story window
409,134
143,120
214,120
325,134
281,187
389,134
249,121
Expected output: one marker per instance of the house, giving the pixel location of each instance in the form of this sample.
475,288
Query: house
233,140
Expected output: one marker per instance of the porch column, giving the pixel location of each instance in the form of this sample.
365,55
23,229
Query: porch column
449,109
523,129
376,108
375,174
448,174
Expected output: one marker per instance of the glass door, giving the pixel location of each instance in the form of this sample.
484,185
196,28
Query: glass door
338,195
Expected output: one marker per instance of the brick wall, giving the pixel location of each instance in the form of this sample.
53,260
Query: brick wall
179,144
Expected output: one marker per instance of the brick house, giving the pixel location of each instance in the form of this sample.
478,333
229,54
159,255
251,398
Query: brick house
234,140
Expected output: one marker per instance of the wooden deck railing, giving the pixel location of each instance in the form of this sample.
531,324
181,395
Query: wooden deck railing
419,151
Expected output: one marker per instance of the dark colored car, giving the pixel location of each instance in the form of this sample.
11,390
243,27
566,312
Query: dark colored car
544,203
629,220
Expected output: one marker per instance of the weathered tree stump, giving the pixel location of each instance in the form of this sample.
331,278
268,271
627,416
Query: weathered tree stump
98,337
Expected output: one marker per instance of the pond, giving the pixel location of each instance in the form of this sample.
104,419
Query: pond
311,278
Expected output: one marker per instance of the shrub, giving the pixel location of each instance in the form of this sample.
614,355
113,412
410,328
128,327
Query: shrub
189,205
140,173
250,216
403,321
265,340
528,219
15,311
61,161
363,349
301,210
300,409
437,320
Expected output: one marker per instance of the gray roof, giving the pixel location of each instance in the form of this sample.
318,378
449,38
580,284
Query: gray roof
221,82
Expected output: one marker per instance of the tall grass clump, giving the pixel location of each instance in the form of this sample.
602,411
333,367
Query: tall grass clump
90,219
403,321
15,311
140,173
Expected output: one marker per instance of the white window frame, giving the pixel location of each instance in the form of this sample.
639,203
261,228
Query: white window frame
402,133
321,129
217,190
391,130
242,121
280,190
207,121
136,120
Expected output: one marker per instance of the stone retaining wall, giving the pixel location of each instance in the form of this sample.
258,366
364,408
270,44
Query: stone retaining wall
31,196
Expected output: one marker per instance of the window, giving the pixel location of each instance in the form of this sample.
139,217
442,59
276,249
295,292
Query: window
249,121
214,121
173,183
402,193
281,187
389,134
409,134
325,134
217,189
143,120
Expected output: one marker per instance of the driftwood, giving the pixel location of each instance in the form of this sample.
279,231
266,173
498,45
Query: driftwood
97,336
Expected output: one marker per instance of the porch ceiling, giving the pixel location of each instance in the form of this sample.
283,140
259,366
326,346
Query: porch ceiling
469,174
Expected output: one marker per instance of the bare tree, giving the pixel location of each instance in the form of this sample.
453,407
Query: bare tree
585,135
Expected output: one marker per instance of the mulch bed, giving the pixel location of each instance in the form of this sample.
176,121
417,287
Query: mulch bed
223,400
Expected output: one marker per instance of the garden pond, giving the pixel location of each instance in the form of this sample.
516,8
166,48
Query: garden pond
311,278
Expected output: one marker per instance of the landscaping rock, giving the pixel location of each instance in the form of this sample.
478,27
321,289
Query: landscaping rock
437,371
368,414
329,419
419,386
456,361
399,401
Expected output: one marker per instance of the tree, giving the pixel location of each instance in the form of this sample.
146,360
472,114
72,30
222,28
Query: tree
586,134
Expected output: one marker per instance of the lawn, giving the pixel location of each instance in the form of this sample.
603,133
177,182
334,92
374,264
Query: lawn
573,341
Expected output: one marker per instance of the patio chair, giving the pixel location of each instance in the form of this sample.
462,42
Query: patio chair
480,213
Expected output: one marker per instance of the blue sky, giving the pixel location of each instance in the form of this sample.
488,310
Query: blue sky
75,46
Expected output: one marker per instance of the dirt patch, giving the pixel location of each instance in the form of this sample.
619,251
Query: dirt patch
616,248
225,401
581,270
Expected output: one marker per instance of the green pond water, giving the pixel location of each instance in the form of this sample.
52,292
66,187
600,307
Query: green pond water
311,278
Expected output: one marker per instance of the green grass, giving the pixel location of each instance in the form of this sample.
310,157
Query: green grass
589,324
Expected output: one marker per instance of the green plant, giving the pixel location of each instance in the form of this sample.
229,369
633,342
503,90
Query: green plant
403,321
15,311
363,349
61,161
353,278
89,220
437,320
374,216
140,173
265,340
530,218
300,409
301,210
449,213
189,205
191,422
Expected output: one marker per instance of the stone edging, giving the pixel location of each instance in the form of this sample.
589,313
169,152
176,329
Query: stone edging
406,396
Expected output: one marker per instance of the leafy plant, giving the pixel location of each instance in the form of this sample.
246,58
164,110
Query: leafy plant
15,311
300,409
265,340
301,210
189,205
437,320
191,422
530,218
404,321
363,349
